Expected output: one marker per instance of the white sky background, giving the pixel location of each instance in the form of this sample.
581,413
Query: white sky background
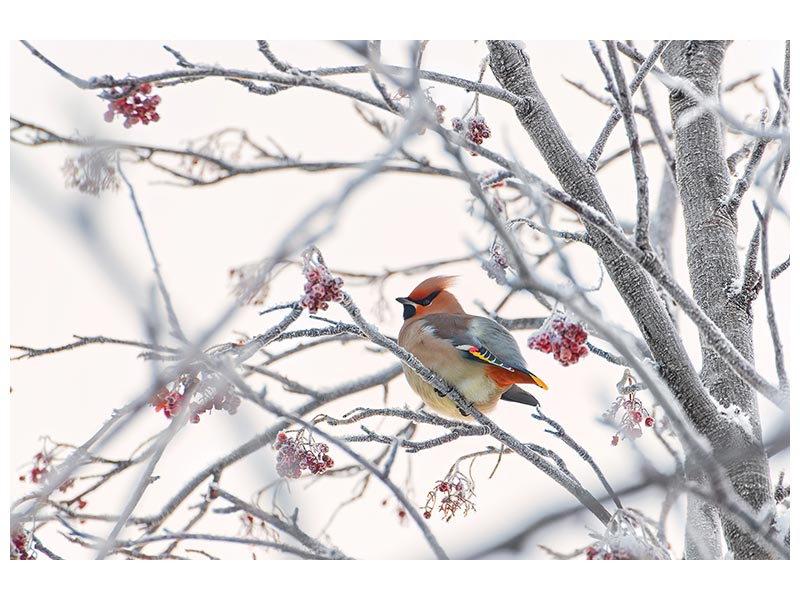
397,220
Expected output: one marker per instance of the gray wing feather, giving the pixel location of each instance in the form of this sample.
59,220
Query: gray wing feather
497,340
469,330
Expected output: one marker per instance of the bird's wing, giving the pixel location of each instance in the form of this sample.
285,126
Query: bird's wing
480,339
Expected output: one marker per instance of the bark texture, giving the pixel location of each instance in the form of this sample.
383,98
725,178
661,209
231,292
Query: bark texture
713,261
511,67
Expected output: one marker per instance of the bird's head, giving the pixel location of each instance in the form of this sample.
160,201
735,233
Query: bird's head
430,296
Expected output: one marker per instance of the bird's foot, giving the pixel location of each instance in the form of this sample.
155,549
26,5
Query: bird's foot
443,394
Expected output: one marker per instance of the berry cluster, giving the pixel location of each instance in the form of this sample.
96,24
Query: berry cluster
593,553
44,462
474,129
562,336
496,266
321,287
168,401
438,110
457,491
171,403
221,400
295,454
90,173
41,465
634,414
627,537
135,104
21,545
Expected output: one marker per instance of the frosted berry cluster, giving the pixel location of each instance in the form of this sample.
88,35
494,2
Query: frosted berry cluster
168,401
299,453
593,553
628,412
496,266
457,491
634,416
171,402
21,545
474,128
135,104
225,400
438,111
44,462
41,465
320,288
563,337
627,537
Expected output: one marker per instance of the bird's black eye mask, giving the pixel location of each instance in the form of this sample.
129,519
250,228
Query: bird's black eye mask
410,306
428,299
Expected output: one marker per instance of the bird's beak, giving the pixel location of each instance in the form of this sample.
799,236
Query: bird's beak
406,301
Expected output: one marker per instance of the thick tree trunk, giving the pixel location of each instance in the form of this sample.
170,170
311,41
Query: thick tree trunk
511,67
713,262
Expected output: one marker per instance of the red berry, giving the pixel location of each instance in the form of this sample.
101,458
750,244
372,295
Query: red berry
636,416
649,422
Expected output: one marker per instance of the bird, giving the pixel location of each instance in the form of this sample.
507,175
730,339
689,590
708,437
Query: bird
474,355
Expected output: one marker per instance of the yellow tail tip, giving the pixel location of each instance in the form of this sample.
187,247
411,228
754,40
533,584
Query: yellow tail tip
538,382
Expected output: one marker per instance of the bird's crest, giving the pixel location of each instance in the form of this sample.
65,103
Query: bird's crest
431,285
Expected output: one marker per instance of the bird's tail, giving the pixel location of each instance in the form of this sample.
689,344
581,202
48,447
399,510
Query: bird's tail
517,394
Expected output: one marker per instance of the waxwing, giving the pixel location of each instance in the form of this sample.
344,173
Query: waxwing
475,355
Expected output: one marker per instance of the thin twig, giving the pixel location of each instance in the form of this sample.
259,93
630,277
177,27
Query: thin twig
173,318
613,119
642,193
